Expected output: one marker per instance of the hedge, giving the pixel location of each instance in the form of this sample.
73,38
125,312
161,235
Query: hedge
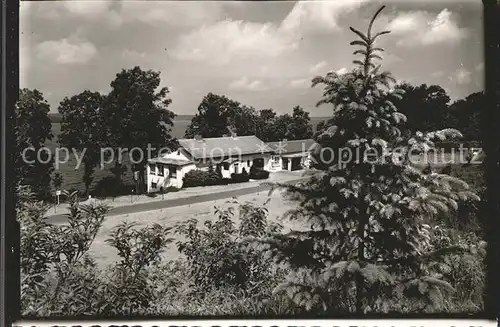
201,178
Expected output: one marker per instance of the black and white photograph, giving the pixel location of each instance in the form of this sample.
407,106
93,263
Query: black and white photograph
251,158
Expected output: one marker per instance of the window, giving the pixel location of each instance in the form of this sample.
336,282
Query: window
225,165
161,170
248,163
236,168
172,171
152,169
276,159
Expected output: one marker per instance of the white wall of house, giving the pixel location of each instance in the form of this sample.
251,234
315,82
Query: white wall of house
160,178
276,161
245,162
164,180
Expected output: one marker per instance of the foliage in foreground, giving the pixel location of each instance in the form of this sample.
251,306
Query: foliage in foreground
368,239
222,272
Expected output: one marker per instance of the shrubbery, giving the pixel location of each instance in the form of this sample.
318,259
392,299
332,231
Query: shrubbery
111,187
222,271
259,174
220,256
240,178
60,278
200,178
212,177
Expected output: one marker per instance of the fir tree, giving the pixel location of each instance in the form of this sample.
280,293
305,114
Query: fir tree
365,243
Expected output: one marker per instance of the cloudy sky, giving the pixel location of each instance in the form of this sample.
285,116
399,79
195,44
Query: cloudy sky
262,54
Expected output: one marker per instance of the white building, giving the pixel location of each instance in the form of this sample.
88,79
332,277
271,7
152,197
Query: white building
291,155
231,154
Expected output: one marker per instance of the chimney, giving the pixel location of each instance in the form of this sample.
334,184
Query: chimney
233,135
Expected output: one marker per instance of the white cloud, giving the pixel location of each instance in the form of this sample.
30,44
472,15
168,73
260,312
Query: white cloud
115,13
317,68
342,71
438,73
87,8
24,64
423,28
46,10
93,9
66,51
301,83
177,13
461,76
131,54
314,16
245,83
220,42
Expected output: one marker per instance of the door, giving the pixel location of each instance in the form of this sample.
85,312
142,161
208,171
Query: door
285,164
296,163
258,163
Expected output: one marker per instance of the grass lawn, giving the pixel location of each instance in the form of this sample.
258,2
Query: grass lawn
105,254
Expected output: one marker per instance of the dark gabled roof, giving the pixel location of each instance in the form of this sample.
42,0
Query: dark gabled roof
224,146
286,147
169,161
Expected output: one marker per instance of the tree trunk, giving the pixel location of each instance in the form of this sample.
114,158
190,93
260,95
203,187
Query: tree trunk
87,177
363,219
359,277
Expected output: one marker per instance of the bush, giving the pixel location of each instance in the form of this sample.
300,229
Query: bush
214,177
259,174
54,258
464,270
240,178
201,178
129,289
111,187
220,256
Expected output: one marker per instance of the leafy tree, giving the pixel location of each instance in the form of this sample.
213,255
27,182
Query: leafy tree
267,114
365,245
467,113
280,128
322,127
291,127
136,115
32,129
57,180
425,106
213,117
264,125
301,126
81,129
244,121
